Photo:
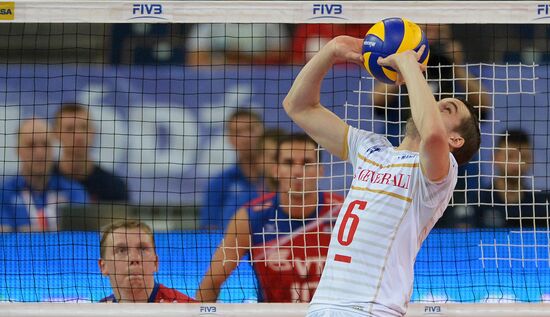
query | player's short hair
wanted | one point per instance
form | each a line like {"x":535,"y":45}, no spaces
{"x":68,"y":108}
{"x":247,"y":113}
{"x":469,"y":131}
{"x":274,"y":134}
{"x":296,"y":137}
{"x":514,"y":136}
{"x":128,"y":224}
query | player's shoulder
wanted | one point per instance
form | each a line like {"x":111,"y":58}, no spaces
{"x":170,"y":295}
{"x":262,"y":203}
{"x":108,"y":299}
{"x":13,"y":183}
{"x":332,"y":198}
{"x":368,"y":138}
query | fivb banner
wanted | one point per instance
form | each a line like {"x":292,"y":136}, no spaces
{"x":161,"y":128}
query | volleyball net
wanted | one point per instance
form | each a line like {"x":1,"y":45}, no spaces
{"x":160,"y":83}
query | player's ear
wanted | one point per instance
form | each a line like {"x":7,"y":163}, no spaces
{"x":103,"y":267}
{"x":156,"y":263}
{"x":456,"y":141}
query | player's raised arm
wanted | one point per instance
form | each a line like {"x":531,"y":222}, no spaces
{"x":233,"y":247}
{"x":434,"y":141}
{"x":303,"y":100}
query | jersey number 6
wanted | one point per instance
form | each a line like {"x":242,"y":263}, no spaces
{"x":344,"y":239}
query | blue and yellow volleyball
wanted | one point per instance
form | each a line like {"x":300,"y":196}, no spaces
{"x":389,"y":36}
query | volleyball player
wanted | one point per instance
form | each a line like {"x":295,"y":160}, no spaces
{"x":286,"y":233}
{"x":397,"y":194}
{"x":129,"y":259}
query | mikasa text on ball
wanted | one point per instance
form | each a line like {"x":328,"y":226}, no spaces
{"x":389,"y":36}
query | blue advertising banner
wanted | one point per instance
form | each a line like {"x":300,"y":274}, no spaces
{"x":161,"y":128}
{"x":457,"y":266}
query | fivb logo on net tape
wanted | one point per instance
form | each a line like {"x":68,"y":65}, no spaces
{"x":328,"y":11}
{"x":543,"y":11}
{"x":7,"y":10}
{"x":148,"y":11}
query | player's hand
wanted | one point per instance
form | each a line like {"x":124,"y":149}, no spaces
{"x":396,"y":60}
{"x":346,"y":49}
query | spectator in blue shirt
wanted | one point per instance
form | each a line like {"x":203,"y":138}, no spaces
{"x":76,"y":133}
{"x":241,"y":182}
{"x":29,"y":201}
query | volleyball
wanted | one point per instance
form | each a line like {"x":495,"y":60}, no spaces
{"x":389,"y":36}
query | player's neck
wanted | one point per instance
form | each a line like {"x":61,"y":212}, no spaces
{"x":509,"y":189}
{"x":250,"y":170}
{"x":409,"y":143}
{"x":508,"y":184}
{"x":37,"y":182}
{"x":76,"y":168}
{"x":134,"y":295}
{"x":299,"y":205}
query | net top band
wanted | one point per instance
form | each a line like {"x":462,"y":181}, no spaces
{"x":484,"y":12}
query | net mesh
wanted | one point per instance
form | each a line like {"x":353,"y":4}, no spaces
{"x":159,"y":97}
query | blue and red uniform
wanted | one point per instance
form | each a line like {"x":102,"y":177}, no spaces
{"x":160,"y":294}
{"x":288,"y":255}
{"x":22,"y":207}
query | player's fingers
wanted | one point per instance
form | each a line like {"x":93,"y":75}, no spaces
{"x":399,"y":80}
{"x":355,"y":58}
{"x":420,"y":52}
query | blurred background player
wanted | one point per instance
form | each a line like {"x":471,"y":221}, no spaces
{"x":241,"y":182}
{"x":30,"y":201}
{"x":397,"y":194}
{"x":76,"y":133}
{"x":268,"y":146}
{"x":510,"y":199}
{"x":129,"y":260}
{"x":286,"y":233}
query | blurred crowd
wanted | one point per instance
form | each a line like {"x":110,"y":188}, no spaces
{"x":244,"y":43}
{"x":272,"y":189}
{"x":47,"y":179}
{"x":272,"y":43}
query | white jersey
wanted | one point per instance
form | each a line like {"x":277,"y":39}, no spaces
{"x":388,"y":212}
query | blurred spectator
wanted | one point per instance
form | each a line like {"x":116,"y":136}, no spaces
{"x":510,"y":200}
{"x":241,"y":182}
{"x":76,"y":134}
{"x":129,"y":259}
{"x":286,"y":233}
{"x":309,"y":38}
{"x":148,"y":44}
{"x":268,"y":145}
{"x":237,"y":43}
{"x":29,"y":201}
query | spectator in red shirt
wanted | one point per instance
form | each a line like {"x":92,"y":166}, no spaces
{"x":129,"y":259}
{"x":309,"y":38}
